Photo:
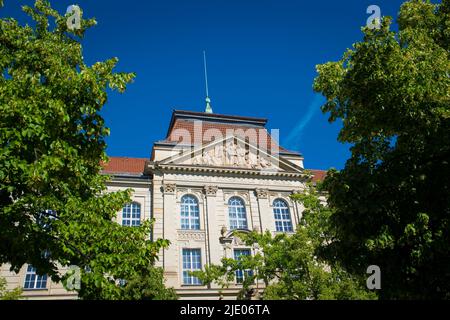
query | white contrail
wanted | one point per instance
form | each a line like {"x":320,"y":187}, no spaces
{"x":296,"y":134}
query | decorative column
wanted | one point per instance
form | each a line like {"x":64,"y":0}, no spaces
{"x":170,"y":233}
{"x":265,"y":216}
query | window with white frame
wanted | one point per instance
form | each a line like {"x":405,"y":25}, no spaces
{"x":192,"y":261}
{"x":33,"y":280}
{"x":45,"y":219}
{"x":237,"y":213}
{"x":242,"y":274}
{"x":190,"y":213}
{"x":283,"y":222}
{"x":131,"y":215}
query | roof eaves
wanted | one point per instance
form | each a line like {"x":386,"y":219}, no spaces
{"x":124,"y":174}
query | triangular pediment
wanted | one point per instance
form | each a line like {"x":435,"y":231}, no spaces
{"x":232,"y":152}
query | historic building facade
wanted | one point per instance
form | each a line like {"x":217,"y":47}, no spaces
{"x":211,"y":175}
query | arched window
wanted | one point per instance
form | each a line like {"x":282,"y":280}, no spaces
{"x":237,"y":214}
{"x":283,"y":221}
{"x":131,"y":215}
{"x":190,"y":214}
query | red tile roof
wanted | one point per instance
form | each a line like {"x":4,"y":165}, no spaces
{"x":205,"y":132}
{"x":318,"y":175}
{"x":183,"y":129}
{"x":124,"y":165}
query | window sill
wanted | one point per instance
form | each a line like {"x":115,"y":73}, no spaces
{"x":241,"y":284}
{"x":193,"y":286}
{"x":34,"y":290}
{"x":286,"y":232}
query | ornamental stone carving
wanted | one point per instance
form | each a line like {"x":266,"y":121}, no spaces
{"x":241,"y":194}
{"x":191,"y":235}
{"x":211,"y":190}
{"x":237,"y":241}
{"x":169,"y":188}
{"x":262,"y":193}
{"x":231,"y":154}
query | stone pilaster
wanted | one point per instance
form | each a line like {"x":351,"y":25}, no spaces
{"x":213,"y":245}
{"x":299,"y":208}
{"x":264,"y":210}
{"x":158,"y":214}
{"x":213,"y":229}
{"x":171,"y":222}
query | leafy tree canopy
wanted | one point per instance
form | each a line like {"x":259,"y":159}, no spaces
{"x":149,"y":285}
{"x":8,"y":294}
{"x":391,"y":202}
{"x":291,"y":266}
{"x":54,"y":208}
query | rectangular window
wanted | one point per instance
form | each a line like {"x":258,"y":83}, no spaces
{"x":131,"y":215}
{"x":34,"y":281}
{"x":242,"y":274}
{"x":192,"y":261}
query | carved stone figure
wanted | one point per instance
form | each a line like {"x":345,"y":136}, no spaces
{"x":240,"y":153}
{"x":231,"y":153}
{"x":208,"y":158}
{"x":253,"y":160}
{"x":218,"y":155}
{"x":197,"y":159}
{"x":263,"y":162}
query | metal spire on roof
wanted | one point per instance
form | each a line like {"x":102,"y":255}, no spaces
{"x":208,"y":100}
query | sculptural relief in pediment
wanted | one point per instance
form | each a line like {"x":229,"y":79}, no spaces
{"x":231,"y":154}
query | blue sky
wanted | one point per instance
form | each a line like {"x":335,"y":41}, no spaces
{"x":261,"y":62}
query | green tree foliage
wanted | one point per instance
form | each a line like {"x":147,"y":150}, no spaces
{"x":292,"y":266}
{"x":392,"y":199}
{"x":149,"y":285}
{"x":8,"y":294}
{"x":54,"y":208}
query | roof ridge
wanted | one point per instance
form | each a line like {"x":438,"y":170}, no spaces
{"x":220,"y":115}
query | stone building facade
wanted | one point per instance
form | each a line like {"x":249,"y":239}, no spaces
{"x":212,"y":174}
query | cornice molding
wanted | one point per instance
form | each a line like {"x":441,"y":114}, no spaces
{"x":239,"y":171}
